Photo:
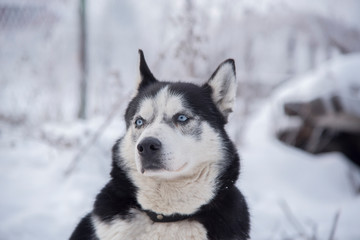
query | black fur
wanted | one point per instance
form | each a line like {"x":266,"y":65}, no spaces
{"x":146,"y":76}
{"x":225,"y":217}
{"x":84,"y":230}
{"x":119,"y":195}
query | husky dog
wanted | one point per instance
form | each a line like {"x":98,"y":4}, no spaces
{"x":174,"y":171}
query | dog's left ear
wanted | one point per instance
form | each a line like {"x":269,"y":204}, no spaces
{"x":145,"y":76}
{"x":223,"y":85}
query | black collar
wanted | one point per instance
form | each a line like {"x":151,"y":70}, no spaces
{"x":156,"y":217}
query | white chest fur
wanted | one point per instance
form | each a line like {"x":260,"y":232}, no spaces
{"x":140,"y":227}
{"x":183,"y":196}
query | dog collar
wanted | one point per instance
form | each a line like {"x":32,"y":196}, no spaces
{"x":156,"y":217}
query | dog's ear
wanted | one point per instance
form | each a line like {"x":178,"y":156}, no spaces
{"x":223,"y":85}
{"x":145,"y":76}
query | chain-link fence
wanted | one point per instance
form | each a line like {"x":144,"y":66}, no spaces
{"x":38,"y":59}
{"x":40,"y":64}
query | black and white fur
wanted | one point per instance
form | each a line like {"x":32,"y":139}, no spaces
{"x":176,"y":163}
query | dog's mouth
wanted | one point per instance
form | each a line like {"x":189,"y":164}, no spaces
{"x":157,"y":169}
{"x":150,"y":166}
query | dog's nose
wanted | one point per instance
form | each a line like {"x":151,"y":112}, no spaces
{"x":149,"y":146}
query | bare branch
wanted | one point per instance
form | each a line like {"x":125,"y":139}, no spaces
{"x":93,"y":139}
{"x":292,"y":219}
{"x":335,"y":222}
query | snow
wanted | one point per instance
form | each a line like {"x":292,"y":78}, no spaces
{"x":313,"y":187}
{"x":338,"y":77}
{"x":39,"y":202}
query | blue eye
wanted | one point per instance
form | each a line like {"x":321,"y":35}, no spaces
{"x":139,"y":122}
{"x":182,"y":118}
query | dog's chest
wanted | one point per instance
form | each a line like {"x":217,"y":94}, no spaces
{"x":140,"y":227}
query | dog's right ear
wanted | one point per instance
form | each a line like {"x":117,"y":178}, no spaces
{"x":145,"y":76}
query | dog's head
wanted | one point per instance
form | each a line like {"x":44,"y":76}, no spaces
{"x":175,"y":128}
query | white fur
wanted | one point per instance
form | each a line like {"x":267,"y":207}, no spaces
{"x":192,"y":164}
{"x":224,"y":98}
{"x":140,"y":227}
{"x":147,"y":108}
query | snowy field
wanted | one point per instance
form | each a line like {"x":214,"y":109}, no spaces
{"x":291,"y":194}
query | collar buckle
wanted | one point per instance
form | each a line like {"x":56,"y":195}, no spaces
{"x":156,"y":217}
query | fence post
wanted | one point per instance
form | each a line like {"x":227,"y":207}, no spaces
{"x":83,"y":61}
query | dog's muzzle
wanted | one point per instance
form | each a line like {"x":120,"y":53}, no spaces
{"x":149,"y":150}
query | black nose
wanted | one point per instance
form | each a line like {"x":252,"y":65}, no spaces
{"x":149,"y":146}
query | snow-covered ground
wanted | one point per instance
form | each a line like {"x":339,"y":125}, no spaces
{"x":280,"y":181}
{"x":291,"y":194}
{"x":294,"y":194}
{"x":38,"y":201}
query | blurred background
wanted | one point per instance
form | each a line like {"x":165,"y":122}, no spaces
{"x":68,"y":69}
